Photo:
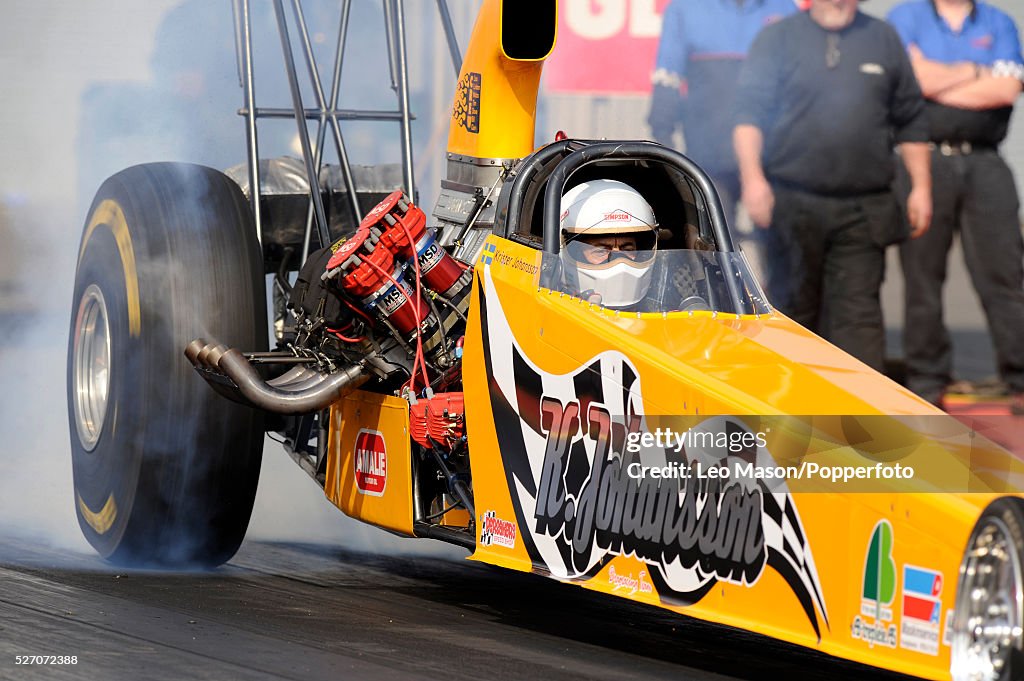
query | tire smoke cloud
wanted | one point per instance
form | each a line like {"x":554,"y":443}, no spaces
{"x":138,"y":103}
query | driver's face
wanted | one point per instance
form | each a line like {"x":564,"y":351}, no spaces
{"x":600,"y":249}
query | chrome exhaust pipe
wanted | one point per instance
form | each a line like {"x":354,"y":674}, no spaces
{"x":193,"y":349}
{"x":300,"y":390}
{"x":308,"y":378}
{"x":313,"y":396}
{"x":290,"y":378}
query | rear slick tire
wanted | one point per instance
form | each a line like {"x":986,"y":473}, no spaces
{"x":165,"y":470}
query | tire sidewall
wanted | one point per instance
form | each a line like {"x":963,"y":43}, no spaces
{"x":105,"y":472}
{"x":181,"y":462}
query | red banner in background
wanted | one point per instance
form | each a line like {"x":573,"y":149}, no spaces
{"x":605,"y":46}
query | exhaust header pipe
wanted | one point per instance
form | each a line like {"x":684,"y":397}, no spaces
{"x":302,"y":390}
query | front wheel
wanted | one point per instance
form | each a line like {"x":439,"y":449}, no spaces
{"x":165,"y":470}
{"x":988,"y":617}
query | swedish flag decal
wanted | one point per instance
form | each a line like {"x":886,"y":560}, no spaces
{"x":488,"y":254}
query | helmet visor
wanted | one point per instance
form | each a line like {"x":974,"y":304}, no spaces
{"x":602,"y":248}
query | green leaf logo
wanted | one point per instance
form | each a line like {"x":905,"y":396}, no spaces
{"x":879,"y":567}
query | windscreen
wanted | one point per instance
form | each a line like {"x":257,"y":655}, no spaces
{"x":657,"y":281}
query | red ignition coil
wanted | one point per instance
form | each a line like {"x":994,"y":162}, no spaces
{"x":362,"y":267}
{"x":391,"y":219}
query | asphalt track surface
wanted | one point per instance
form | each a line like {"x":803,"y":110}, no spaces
{"x":302,"y":611}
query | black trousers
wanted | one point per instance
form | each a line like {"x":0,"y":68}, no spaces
{"x":975,"y":195}
{"x":827,"y":258}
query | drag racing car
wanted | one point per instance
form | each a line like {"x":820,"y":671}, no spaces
{"x":448,"y":376}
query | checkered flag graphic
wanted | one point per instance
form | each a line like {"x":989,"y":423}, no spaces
{"x":788,"y":550}
{"x":486,"y":536}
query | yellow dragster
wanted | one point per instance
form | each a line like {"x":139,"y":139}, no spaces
{"x":699,"y":452}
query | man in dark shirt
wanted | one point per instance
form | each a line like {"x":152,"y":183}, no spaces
{"x":821,"y":98}
{"x":702,"y":47}
{"x":967,"y":58}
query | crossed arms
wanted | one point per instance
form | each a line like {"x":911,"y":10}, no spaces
{"x":966,"y":85}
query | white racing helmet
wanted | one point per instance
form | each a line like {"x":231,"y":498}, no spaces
{"x":609,"y":238}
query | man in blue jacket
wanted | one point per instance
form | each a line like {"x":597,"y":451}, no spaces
{"x":967,"y":57}
{"x":703,"y":45}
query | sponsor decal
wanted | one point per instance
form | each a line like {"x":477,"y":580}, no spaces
{"x":874,"y":624}
{"x":617,"y":216}
{"x":497,"y":532}
{"x":430,"y":255}
{"x":564,"y":449}
{"x":370,"y":460}
{"x":378,"y":210}
{"x":467,"y":102}
{"x":922,"y":608}
{"x":338,"y":244}
{"x":628,"y":582}
{"x":947,"y":629}
{"x":492,"y":256}
{"x":983,"y":42}
{"x":872,"y":69}
{"x":393,"y":298}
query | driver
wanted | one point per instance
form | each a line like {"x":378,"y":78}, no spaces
{"x":609,"y":240}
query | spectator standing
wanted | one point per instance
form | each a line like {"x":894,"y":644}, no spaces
{"x":702,"y":47}
{"x":821,"y":98}
{"x":967,"y":58}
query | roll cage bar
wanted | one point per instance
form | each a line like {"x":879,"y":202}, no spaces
{"x":305,"y":436}
{"x":326,"y":112}
{"x":553,"y":166}
{"x":629,"y":151}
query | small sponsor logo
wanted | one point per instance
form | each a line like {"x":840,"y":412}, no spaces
{"x":497,"y":532}
{"x":342,"y":249}
{"x":947,"y":630}
{"x":338,"y":244}
{"x":983,"y":42}
{"x":628,"y":582}
{"x":922,"y":608}
{"x":617,"y":216}
{"x":872,"y":69}
{"x":874,"y":624}
{"x":467,"y":102}
{"x":430,"y":256}
{"x":378,"y":210}
{"x":394,"y":298}
{"x":873,"y":633}
{"x":371,"y":463}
